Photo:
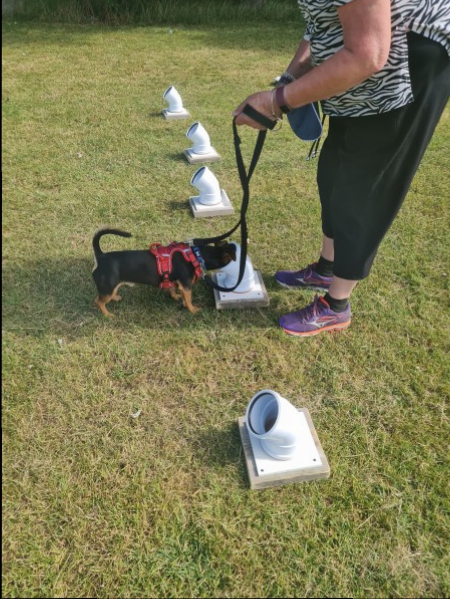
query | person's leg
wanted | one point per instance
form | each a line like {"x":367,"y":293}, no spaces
{"x":327,"y":248}
{"x":378,"y":157}
{"x":318,"y":275}
{"x":341,"y":288}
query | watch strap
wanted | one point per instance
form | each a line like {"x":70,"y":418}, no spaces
{"x":279,"y":99}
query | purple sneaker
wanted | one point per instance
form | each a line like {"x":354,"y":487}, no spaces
{"x":315,"y":318}
{"x":308,"y":278}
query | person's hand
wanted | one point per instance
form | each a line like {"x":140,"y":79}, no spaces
{"x":261,"y":102}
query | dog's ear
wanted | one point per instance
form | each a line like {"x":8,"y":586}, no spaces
{"x":232,"y":251}
{"x":229,"y":255}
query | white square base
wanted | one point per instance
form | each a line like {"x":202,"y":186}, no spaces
{"x":222,"y":208}
{"x":257,"y":297}
{"x":194,"y":158}
{"x":310,"y":463}
{"x":174,"y":116}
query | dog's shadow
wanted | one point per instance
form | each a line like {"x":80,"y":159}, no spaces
{"x":54,"y":295}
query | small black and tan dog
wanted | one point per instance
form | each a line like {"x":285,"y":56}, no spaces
{"x":113,"y":269}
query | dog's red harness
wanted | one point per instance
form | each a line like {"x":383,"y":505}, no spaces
{"x":164,"y":256}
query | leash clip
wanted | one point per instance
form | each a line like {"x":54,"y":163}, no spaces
{"x":280,"y":121}
{"x":198,"y":255}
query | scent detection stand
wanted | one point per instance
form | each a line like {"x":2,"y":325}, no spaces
{"x":251,"y":291}
{"x":175,"y":110}
{"x":212,"y":201}
{"x":280,"y":443}
{"x":201,"y":151}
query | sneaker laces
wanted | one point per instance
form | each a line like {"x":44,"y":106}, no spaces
{"x":312,"y":310}
{"x":310,"y":269}
{"x":307,"y":271}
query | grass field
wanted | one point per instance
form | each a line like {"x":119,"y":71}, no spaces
{"x":96,"y":503}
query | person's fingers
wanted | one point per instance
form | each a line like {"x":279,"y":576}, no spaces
{"x":240,"y":108}
{"x":243,"y":119}
{"x":257,"y":101}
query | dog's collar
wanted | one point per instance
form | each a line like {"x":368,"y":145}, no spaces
{"x":197,"y":253}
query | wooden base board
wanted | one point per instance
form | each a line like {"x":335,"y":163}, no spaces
{"x":175,"y":116}
{"x":283,"y":478}
{"x":239,"y":301}
{"x":201,"y":210}
{"x":194,"y":158}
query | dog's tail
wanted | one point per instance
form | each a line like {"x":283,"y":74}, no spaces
{"x":96,"y":240}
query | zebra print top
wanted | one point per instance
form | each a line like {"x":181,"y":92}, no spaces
{"x":390,"y":88}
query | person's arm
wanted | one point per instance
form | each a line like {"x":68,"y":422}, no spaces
{"x":367,"y":37}
{"x":301,"y":63}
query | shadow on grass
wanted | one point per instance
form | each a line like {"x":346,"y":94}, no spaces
{"x":179,"y":157}
{"x":174,"y":205}
{"x":43,"y":297}
{"x":232,"y":35}
{"x":216,"y":448}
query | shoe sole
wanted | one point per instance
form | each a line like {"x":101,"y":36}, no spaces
{"x":306,"y":287}
{"x":332,"y":328}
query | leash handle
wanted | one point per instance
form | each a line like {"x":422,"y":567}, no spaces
{"x":260,"y":118}
{"x":245,"y":183}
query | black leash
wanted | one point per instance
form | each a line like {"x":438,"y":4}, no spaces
{"x":245,"y":183}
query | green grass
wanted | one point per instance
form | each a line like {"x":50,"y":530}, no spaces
{"x":96,"y":503}
{"x":157,"y":12}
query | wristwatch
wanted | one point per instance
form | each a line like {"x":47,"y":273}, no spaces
{"x":285,"y":78}
{"x":279,"y":98}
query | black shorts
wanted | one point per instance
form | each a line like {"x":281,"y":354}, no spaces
{"x":367,"y":163}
